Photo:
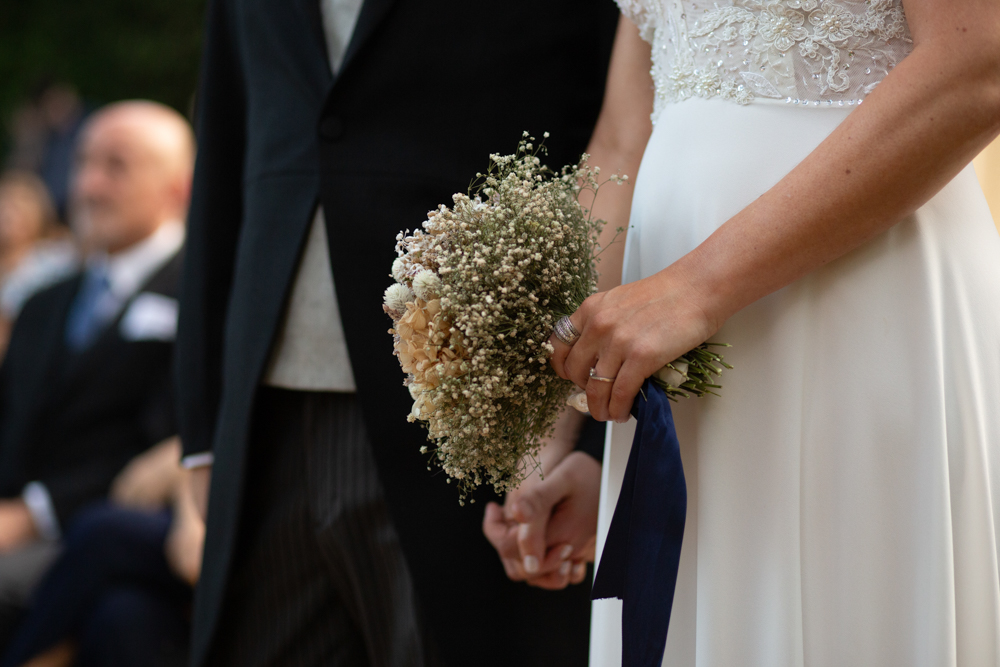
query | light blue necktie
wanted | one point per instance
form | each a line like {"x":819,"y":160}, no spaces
{"x":93,"y":309}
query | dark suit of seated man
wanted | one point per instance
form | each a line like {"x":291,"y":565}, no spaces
{"x":86,"y":384}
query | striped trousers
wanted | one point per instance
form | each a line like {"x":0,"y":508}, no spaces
{"x":318,"y":576}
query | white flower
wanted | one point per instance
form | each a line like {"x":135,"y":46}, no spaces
{"x":396,"y":297}
{"x":399,"y":270}
{"x":675,"y":376}
{"x":579,"y":402}
{"x":781,"y":27}
{"x":427,"y":285}
{"x":832,"y":22}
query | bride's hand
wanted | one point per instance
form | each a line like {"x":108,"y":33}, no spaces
{"x":628,"y":333}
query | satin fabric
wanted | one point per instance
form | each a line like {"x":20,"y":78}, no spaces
{"x":642,"y":551}
{"x":841,"y":503}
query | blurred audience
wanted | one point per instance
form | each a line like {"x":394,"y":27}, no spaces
{"x":44,"y":133}
{"x":86,"y":384}
{"x":34,"y":251}
{"x":120,"y":593}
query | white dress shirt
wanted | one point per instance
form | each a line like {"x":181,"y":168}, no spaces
{"x":127,"y":271}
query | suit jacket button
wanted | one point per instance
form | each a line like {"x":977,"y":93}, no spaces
{"x":331,"y":128}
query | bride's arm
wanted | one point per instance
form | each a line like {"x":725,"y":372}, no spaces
{"x":618,"y":141}
{"x":936,"y":110}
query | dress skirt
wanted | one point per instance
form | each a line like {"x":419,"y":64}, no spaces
{"x":844,"y":490}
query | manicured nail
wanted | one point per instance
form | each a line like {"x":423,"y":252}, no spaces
{"x":566,"y":552}
{"x":530,"y":564}
{"x":522,"y":531}
{"x":579,"y":570}
{"x":564,"y":568}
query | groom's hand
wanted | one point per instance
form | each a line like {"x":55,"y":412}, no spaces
{"x":546,"y":531}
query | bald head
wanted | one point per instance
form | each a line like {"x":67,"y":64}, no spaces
{"x":134,"y":165}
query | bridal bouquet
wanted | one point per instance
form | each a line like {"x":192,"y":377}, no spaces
{"x":477,"y":293}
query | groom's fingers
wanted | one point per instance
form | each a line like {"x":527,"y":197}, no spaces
{"x":503,"y":536}
{"x":532,"y":510}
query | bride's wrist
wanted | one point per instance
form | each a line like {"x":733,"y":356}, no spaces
{"x":708,"y":294}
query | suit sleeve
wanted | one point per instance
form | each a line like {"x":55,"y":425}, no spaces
{"x":213,"y":229}
{"x":70,"y":490}
{"x":591,"y":439}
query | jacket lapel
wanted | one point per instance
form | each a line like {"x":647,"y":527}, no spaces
{"x":311,"y":10}
{"x":372,"y":13}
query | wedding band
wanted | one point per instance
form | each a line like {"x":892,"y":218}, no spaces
{"x":599,"y":378}
{"x":566,"y":332}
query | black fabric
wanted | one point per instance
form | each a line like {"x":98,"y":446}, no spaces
{"x":72,"y":421}
{"x":427,"y":91}
{"x":591,"y":440}
{"x":319,"y":579}
{"x":112,"y":592}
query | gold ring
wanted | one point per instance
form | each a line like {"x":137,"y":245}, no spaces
{"x":593,"y":376}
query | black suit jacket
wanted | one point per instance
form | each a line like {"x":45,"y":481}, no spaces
{"x":427,"y":91}
{"x":72,"y":421}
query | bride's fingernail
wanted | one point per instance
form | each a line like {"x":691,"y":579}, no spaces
{"x":523,"y":530}
{"x":564,"y":568}
{"x":579,"y":570}
{"x":566,"y":552}
{"x":530,"y":564}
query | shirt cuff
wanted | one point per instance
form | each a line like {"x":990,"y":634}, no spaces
{"x":199,"y":460}
{"x":42,"y":511}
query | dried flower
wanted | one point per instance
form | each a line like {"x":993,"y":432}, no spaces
{"x":396,"y":298}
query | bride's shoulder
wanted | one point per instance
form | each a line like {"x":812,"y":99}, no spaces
{"x":642,"y":13}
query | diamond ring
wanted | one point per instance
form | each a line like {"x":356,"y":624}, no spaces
{"x":594,"y":376}
{"x":566,"y":332}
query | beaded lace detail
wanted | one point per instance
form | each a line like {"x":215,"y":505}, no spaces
{"x":812,"y":52}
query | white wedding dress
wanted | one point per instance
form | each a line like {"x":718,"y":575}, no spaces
{"x":844,"y":491}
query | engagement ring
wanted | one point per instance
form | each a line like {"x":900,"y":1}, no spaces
{"x":599,"y":378}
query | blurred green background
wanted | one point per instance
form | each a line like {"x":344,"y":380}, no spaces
{"x":107,"y":49}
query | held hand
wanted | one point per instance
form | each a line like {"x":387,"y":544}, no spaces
{"x":186,"y":539}
{"x":17,"y":528}
{"x":546,"y":531}
{"x":627,"y":334}
{"x":148,"y":481}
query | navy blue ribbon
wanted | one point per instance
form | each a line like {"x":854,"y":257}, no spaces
{"x":643,"y":549}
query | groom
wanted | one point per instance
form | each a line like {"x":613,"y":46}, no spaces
{"x":325,"y":127}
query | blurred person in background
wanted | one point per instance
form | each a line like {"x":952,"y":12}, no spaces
{"x":119,"y":594}
{"x":34,"y":252}
{"x":44,"y":132}
{"x":63,"y":113}
{"x":87,"y":384}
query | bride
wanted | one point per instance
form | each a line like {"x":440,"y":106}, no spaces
{"x":804,"y":195}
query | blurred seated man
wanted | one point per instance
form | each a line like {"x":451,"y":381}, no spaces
{"x":119,"y":595}
{"x":86,"y":383}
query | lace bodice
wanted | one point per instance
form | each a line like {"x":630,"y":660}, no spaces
{"x":810,"y":52}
